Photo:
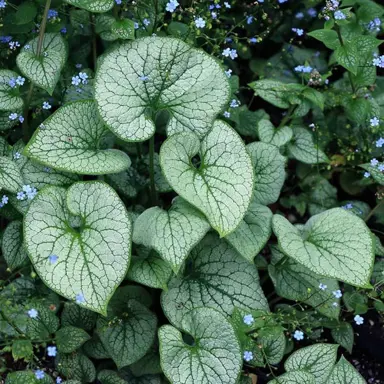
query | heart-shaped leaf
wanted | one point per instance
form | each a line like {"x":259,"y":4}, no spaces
{"x":269,"y":134}
{"x":221,"y":186}
{"x":345,"y":373}
{"x":172,"y":233}
{"x":253,"y":232}
{"x":318,"y":359}
{"x":296,"y":282}
{"x":142,"y":77}
{"x":128,"y":336}
{"x":77,"y":237}
{"x":10,"y":99}
{"x":335,"y":243}
{"x":343,"y":335}
{"x":215,"y":277}
{"x":269,"y":171}
{"x":43,"y":70}
{"x":150,"y":269}
{"x":302,"y":148}
{"x":68,"y":339}
{"x":71,"y":141}
{"x":76,"y":366}
{"x":214,"y":356}
{"x":96,"y":6}
{"x":10,"y":177}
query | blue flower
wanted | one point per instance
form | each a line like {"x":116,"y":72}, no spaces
{"x":249,"y":19}
{"x":339,"y":15}
{"x":299,"y":15}
{"x":298,"y":335}
{"x":298,"y":31}
{"x":136,"y":25}
{"x":52,"y":14}
{"x":46,"y":105}
{"x":80,"y":298}
{"x":227,"y":5}
{"x":374,"y":121}
{"x":52,"y":351}
{"x":2,"y":3}
{"x":200,"y":22}
{"x":234,"y":103}
{"x":32,"y":313}
{"x":20,"y":196}
{"x":347,"y":206}
{"x":12,"y":82}
{"x":248,"y":356}
{"x":248,"y":319}
{"x":312,"y":12}
{"x":378,"y":61}
{"x":381,"y":167}
{"x":146,"y":22}
{"x":84,"y":77}
{"x":13,"y":116}
{"x":337,"y":294}
{"x":303,"y":69}
{"x":39,"y":374}
{"x":63,"y":30}
{"x":76,"y":80}
{"x":380,"y":142}
{"x":118,"y":2}
{"x":53,"y":258}
{"x":228,"y":72}
{"x":20,"y":80}
{"x":144,"y":78}
{"x":322,"y":286}
{"x":367,"y":174}
{"x":227,"y":114}
{"x":374,"y":162}
{"x":358,"y":319}
{"x":172,"y":5}
{"x":21,"y":119}
{"x":59,"y":380}
{"x":4,"y":200}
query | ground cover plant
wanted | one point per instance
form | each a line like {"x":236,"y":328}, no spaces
{"x":192,"y":192}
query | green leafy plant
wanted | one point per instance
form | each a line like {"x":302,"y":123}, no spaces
{"x":192,"y":191}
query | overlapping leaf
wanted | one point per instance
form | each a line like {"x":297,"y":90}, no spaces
{"x":172,"y":233}
{"x":71,"y":141}
{"x":269,"y":171}
{"x":129,"y":337}
{"x":215,"y":277}
{"x":253,"y":232}
{"x":334,"y":243}
{"x":88,"y":229}
{"x":43,"y":70}
{"x":221,"y":185}
{"x":215,"y":356}
{"x":140,"y":78}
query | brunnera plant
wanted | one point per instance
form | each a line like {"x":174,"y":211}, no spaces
{"x":179,"y":207}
